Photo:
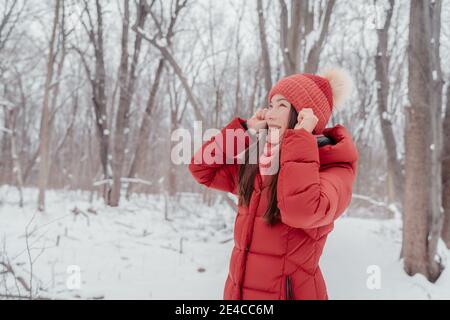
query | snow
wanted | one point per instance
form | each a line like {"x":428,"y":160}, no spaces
{"x":6,"y":103}
{"x":358,"y":244}
{"x":435,"y":75}
{"x":378,"y":85}
{"x":136,"y":180}
{"x":131,"y":252}
{"x":6,"y":130}
{"x":162,"y":42}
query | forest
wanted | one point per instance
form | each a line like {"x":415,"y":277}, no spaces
{"x":91,"y":91}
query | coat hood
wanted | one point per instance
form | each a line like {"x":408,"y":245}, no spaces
{"x":344,"y":149}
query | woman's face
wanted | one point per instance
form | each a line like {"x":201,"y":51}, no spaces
{"x":278,"y":114}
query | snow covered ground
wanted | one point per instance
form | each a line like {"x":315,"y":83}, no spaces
{"x":86,"y":250}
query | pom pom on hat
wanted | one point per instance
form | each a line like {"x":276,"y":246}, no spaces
{"x":324,"y":92}
{"x":341,"y":84}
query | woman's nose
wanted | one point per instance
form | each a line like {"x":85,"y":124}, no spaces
{"x":270,"y":114}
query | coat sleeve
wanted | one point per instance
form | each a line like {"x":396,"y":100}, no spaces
{"x":215,"y":164}
{"x":309,"y":197}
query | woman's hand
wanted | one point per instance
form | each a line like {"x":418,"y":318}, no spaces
{"x":306,"y":119}
{"x":258,"y":120}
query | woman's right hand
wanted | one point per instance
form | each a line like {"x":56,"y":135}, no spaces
{"x":258,"y":120}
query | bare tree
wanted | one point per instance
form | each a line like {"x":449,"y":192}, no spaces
{"x":127,"y":80}
{"x":446,"y":174}
{"x":267,"y":70}
{"x":11,"y":112}
{"x":423,"y":185}
{"x":44,"y":132}
{"x":168,"y":56}
{"x":97,"y":79}
{"x":240,"y":11}
{"x":382,"y":61}
{"x":177,"y":110}
{"x":10,"y":16}
{"x":144,"y":129}
{"x":296,"y":28}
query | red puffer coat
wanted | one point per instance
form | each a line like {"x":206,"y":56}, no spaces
{"x":314,"y":188}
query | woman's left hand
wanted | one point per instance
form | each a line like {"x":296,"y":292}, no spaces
{"x":306,"y":119}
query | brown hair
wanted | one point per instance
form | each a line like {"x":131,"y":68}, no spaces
{"x":247,"y":174}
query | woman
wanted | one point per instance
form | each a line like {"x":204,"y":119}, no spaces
{"x":288,"y":200}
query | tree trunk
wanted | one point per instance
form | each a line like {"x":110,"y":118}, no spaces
{"x":294,"y":34}
{"x":144,"y":129}
{"x":127,"y":83}
{"x":313,"y":56}
{"x":267,"y":70}
{"x":56,"y":88}
{"x":382,"y":61}
{"x":44,"y":131}
{"x":97,"y":80}
{"x":171,"y":179}
{"x":10,"y":126}
{"x":122,"y":112}
{"x":446,"y":174}
{"x":422,"y":199}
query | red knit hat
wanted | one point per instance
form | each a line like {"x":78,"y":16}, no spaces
{"x":319,"y":92}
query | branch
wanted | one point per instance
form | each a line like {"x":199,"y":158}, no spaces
{"x":178,"y":71}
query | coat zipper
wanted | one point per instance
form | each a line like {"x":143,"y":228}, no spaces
{"x":289,"y":295}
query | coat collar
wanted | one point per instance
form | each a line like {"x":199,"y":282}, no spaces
{"x":344,"y":149}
